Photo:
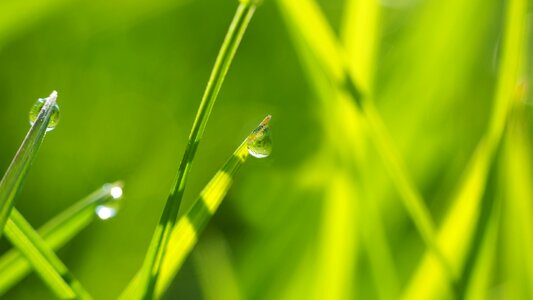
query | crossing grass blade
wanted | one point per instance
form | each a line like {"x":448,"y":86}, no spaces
{"x":43,"y":259}
{"x":57,"y":232}
{"x":156,"y":251}
{"x":13,"y":178}
{"x":188,"y":229}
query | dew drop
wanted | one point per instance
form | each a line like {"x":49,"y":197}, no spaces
{"x":36,"y":109}
{"x":259,"y":143}
{"x":105,"y":212}
{"x":109,"y":208}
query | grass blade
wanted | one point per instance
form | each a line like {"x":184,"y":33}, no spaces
{"x":460,"y":221}
{"x":46,"y":263}
{"x":13,"y":178}
{"x":56,"y":233}
{"x":186,"y":232}
{"x":517,"y":235}
{"x":306,"y":18}
{"x":360,"y":32}
{"x":156,"y":251}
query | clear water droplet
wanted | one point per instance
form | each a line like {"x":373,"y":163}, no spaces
{"x":109,"y":208}
{"x":36,"y":109}
{"x":259,"y":143}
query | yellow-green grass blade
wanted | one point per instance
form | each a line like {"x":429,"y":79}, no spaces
{"x":337,"y":249}
{"x":480,"y":282}
{"x":360,"y":37}
{"x":14,"y":177}
{"x":57,"y":232}
{"x":307,"y":19}
{"x":458,"y":226}
{"x":188,"y":229}
{"x":360,"y":34}
{"x":341,"y":119}
{"x":156,"y":251}
{"x":43,"y":259}
{"x":517,"y":239}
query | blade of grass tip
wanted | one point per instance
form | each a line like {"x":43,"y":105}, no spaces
{"x":57,"y":232}
{"x":459,"y":223}
{"x":306,"y":18}
{"x":185,"y":234}
{"x":158,"y":245}
{"x":46,"y":263}
{"x":13,"y":178}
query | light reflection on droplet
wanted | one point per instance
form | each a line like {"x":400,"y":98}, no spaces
{"x":105,"y":212}
{"x":109,"y":208}
{"x":116,"y":192}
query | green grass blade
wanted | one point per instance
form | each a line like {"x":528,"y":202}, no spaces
{"x":484,"y":269}
{"x":360,"y":32}
{"x":13,"y":178}
{"x":186,"y":232}
{"x":46,"y":263}
{"x":517,"y":234}
{"x":56,"y":233}
{"x":459,"y":224}
{"x":156,"y":251}
{"x":306,"y":18}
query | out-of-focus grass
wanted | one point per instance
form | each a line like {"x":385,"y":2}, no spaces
{"x":321,"y":214}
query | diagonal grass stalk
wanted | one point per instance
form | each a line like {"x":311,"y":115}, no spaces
{"x":56,"y":233}
{"x":13,"y":178}
{"x":185,"y":234}
{"x":46,"y":263}
{"x":156,"y":251}
{"x":306,"y":18}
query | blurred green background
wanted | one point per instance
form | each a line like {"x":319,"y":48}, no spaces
{"x":312,"y":220}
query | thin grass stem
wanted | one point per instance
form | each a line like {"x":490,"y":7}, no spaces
{"x":13,"y":178}
{"x":156,"y":251}
{"x":46,"y":263}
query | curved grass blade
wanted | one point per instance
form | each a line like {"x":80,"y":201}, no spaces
{"x":56,"y":233}
{"x":185,"y":234}
{"x":306,"y":18}
{"x":156,"y":251}
{"x":459,"y":224}
{"x":13,"y":178}
{"x":46,"y":263}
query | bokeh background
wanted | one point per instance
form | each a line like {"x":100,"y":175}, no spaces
{"x":321,"y":217}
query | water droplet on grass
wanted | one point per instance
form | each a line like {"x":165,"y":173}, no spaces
{"x":36,"y":109}
{"x":259,"y":143}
